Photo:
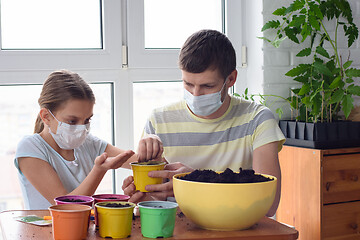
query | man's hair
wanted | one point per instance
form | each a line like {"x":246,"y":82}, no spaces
{"x":208,"y":49}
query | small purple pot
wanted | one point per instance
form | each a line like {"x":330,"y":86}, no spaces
{"x":74,"y":199}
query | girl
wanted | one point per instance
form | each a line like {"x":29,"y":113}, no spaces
{"x":61,"y":157}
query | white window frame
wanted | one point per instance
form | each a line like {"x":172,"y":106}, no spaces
{"x":139,"y":57}
{"x":108,"y":57}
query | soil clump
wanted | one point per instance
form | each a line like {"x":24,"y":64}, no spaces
{"x":116,"y":205}
{"x":228,"y":176}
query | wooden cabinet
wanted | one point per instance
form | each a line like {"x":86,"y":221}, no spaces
{"x":320,"y":192}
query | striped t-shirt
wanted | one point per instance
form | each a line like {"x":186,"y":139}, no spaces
{"x":217,"y":144}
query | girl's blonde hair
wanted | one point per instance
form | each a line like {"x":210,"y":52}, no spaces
{"x":58,"y":88}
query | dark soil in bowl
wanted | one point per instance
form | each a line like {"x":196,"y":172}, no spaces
{"x":228,"y":176}
{"x":72,"y":200}
{"x":116,"y":205}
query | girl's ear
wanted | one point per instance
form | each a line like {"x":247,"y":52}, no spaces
{"x":45,"y":116}
{"x":232,"y":78}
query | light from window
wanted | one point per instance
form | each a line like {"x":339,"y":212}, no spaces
{"x":169,"y":23}
{"x":150,"y":95}
{"x":55,"y":24}
{"x":18,"y":111}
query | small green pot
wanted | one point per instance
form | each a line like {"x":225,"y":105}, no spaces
{"x":157,"y":218}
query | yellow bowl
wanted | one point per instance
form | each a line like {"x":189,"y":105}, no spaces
{"x":224,"y":206}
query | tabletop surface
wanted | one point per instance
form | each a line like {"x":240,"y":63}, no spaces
{"x":266,"y":228}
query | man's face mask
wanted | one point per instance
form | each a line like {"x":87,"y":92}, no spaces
{"x":69,"y":136}
{"x":204,"y":105}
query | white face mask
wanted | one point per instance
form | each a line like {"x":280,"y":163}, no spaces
{"x":204,"y":105}
{"x":69,"y":136}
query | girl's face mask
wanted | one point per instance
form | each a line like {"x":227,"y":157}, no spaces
{"x":69,"y":136}
{"x":204,"y":105}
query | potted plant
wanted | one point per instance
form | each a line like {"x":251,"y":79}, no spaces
{"x":324,"y":101}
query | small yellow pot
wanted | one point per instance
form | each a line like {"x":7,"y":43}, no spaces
{"x":115,"y":222}
{"x":141,"y":178}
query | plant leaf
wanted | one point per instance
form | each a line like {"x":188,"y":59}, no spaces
{"x":304,"y":52}
{"x":301,"y":79}
{"x":355,"y":90}
{"x":304,"y":89}
{"x":280,"y":11}
{"x":352,"y":72}
{"x":296,"y":71}
{"x":335,"y":83}
{"x":320,"y":50}
{"x":347,"y":105}
{"x":337,"y":96}
{"x":321,"y":68}
{"x":264,"y":38}
{"x":271,"y":24}
{"x":347,"y":64}
{"x":314,"y":23}
{"x":276,"y":43}
{"x":290,"y":33}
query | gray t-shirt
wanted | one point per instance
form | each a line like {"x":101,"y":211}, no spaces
{"x":71,"y":173}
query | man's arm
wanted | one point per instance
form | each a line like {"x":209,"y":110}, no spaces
{"x":266,"y":161}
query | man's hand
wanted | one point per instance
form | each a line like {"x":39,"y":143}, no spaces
{"x":158,"y":191}
{"x":150,"y":147}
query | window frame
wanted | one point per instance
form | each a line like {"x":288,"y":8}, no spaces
{"x":139,"y":57}
{"x":108,"y":57}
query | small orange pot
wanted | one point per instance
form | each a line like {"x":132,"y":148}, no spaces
{"x":70,"y":221}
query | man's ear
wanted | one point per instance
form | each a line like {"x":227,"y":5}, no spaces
{"x":45,"y":116}
{"x":232,"y":78}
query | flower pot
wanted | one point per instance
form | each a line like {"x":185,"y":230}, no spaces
{"x":107,"y":198}
{"x":300,"y":130}
{"x":140,"y":172}
{"x":70,"y":221}
{"x":74,"y":199}
{"x":157,"y":218}
{"x":115,"y":221}
{"x":338,"y":134}
{"x":291,"y":129}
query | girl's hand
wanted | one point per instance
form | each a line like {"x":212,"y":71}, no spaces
{"x":150,"y":147}
{"x":103,"y":162}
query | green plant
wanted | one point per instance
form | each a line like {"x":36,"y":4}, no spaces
{"x":327,"y":80}
{"x":263,"y":99}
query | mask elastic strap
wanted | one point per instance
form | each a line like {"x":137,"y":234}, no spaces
{"x":53,"y":115}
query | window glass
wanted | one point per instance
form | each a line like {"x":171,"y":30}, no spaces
{"x":150,"y":95}
{"x":169,"y":23}
{"x":55,"y":24}
{"x":17,"y":117}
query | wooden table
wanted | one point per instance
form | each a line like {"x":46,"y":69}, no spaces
{"x":266,"y":228}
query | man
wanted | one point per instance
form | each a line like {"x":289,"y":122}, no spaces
{"x":211,"y":129}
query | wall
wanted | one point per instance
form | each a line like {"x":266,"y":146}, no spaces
{"x":278,"y":61}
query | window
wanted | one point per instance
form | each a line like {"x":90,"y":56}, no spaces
{"x":158,"y":28}
{"x":18,"y":111}
{"x":145,"y":102}
{"x":169,"y":23}
{"x":60,"y":34}
{"x":56,"y":24}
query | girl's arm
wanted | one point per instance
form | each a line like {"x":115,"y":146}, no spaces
{"x":45,"y":179}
